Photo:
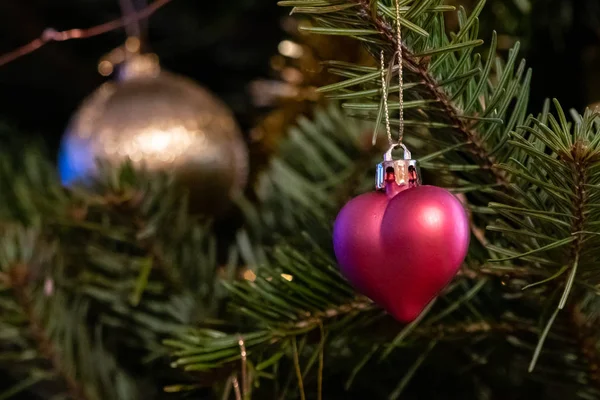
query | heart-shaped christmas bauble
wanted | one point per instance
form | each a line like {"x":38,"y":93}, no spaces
{"x":403,"y":248}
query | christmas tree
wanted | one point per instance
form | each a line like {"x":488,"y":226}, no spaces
{"x":123,"y":287}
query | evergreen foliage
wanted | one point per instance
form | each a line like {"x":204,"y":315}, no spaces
{"x":119,"y":273}
{"x":93,"y":279}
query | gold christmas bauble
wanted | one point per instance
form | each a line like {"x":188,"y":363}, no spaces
{"x":161,"y":122}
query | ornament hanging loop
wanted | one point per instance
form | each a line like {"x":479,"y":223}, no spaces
{"x":388,"y":155}
{"x":385,"y":85}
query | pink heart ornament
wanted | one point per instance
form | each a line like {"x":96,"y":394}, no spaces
{"x":402,"y":250}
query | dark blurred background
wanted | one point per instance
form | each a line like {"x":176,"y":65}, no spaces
{"x":225,"y":45}
{"x":221,"y":44}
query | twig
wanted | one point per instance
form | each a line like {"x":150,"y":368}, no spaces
{"x":236,"y":387}
{"x":243,"y":356}
{"x":478,"y":272}
{"x":449,"y":332}
{"x":588,"y":340}
{"x":321,"y":364}
{"x":582,"y":328}
{"x":316,"y":319}
{"x":580,"y":167}
{"x":51,"y":35}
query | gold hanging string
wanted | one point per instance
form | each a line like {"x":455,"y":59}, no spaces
{"x":385,"y":84}
{"x":400,"y":77}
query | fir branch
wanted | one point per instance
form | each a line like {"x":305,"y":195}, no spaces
{"x":325,"y":161}
{"x":580,"y":165}
{"x":419,"y":66}
{"x":321,"y":300}
{"x":575,"y":161}
{"x":18,"y":280}
{"x":130,"y":261}
{"x":455,"y":98}
{"x":454,"y":331}
{"x":558,"y":182}
{"x":319,"y":318}
{"x":48,"y":337}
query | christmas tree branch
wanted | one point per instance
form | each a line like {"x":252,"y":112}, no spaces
{"x":319,"y":318}
{"x":285,"y":298}
{"x":324,"y":161}
{"x":18,"y":280}
{"x":127,"y":253}
{"x":553,"y":224}
{"x":298,"y":289}
{"x":45,"y":340}
{"x":321,"y":300}
{"x":419,"y":66}
{"x":458,"y":109}
{"x":460,"y":330}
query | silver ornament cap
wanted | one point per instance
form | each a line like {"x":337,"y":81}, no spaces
{"x":405,"y":171}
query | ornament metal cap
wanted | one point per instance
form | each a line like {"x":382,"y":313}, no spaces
{"x":139,"y":66}
{"x":405,"y":172}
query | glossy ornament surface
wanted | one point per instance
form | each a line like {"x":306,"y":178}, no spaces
{"x":425,"y":232}
{"x":163,"y":122}
{"x":358,"y":246}
{"x":401,"y":247}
